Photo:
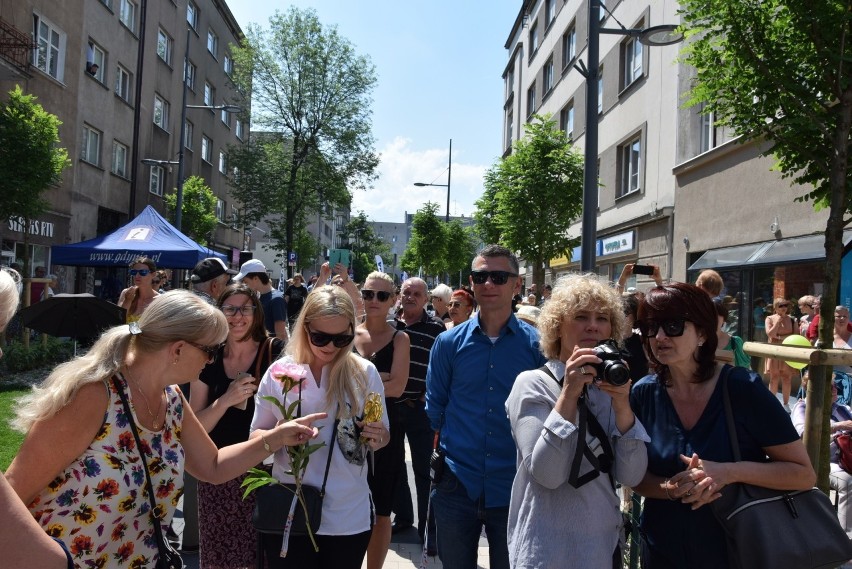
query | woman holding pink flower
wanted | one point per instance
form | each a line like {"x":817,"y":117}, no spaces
{"x":322,"y":374}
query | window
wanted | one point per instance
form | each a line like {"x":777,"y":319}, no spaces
{"x":49,"y":52}
{"x":127,"y":14}
{"x":510,"y":83}
{"x":164,"y":46}
{"x":91,"y":147}
{"x":223,"y":162}
{"x":632,"y":58}
{"x":228,"y":66}
{"x":209,"y":94}
{"x":708,"y":129}
{"x":630,"y":157}
{"x":549,"y":12}
{"x":531,"y":100}
{"x":220,"y":209}
{"x":239,"y":130}
{"x":190,"y":71}
{"x":187,"y":135}
{"x":548,"y":76}
{"x":161,"y":112}
{"x":157,"y":180}
{"x":192,"y":14}
{"x":226,"y":117}
{"x":119,"y":159}
{"x":96,"y":62}
{"x":107,"y":3}
{"x":600,"y":89}
{"x":533,"y":39}
{"x":566,"y":120}
{"x":212,"y":43}
{"x":603,"y":12}
{"x":510,"y":124}
{"x":569,"y":46}
{"x":122,"y":83}
{"x":206,"y":149}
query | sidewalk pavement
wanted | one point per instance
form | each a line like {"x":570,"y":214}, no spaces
{"x":405,"y":551}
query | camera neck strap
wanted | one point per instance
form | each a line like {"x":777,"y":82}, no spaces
{"x":588,"y":425}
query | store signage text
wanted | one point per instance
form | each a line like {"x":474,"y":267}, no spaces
{"x":43,"y":228}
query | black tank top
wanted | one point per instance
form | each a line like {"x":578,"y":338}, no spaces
{"x":382,"y":358}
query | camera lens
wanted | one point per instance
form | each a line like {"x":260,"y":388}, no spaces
{"x":616,"y":373}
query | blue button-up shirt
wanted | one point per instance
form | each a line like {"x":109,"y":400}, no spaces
{"x":467,"y":384}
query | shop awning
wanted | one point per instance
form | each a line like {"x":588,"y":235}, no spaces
{"x":795,"y":249}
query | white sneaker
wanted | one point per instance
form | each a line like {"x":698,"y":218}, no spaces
{"x":787,"y":408}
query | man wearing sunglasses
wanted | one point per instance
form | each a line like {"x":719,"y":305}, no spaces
{"x":471,"y":372}
{"x":253,"y":274}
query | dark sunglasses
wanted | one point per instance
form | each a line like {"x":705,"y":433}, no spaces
{"x":497,"y":277}
{"x":140,"y":272}
{"x":784,"y":305}
{"x":321,"y":339}
{"x":671,"y":328}
{"x":245,"y":310}
{"x":211,"y":351}
{"x":368,"y":294}
{"x":155,"y":281}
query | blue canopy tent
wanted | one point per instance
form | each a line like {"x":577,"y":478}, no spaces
{"x":148,"y":235}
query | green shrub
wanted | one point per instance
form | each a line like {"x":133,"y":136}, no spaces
{"x":18,"y":358}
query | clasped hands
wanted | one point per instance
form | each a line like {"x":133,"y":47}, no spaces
{"x":698,"y":485}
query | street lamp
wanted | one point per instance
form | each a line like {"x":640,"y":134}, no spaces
{"x":447,"y":185}
{"x":653,"y":36}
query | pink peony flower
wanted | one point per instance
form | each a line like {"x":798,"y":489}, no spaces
{"x":291,"y":375}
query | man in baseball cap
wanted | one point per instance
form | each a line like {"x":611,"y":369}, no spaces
{"x":210,"y":277}
{"x":253,"y":274}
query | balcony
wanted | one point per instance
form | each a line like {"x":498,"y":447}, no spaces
{"x":15,"y":50}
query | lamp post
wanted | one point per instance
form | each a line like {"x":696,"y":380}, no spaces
{"x":447,"y":185}
{"x":653,"y":36}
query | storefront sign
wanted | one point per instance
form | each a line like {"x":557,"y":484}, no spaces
{"x":616,"y":244}
{"x":43,"y":228}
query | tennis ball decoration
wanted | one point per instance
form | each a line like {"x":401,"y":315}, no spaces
{"x":796,"y":340}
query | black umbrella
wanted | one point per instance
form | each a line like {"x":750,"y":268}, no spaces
{"x":72,"y":315}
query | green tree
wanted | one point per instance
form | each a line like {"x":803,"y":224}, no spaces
{"x":199,"y":209}
{"x":309,"y":86}
{"x":365,"y":246}
{"x":778,"y":70}
{"x":461,"y":248}
{"x":534,"y":195}
{"x":30,"y":159}
{"x":427,"y":248}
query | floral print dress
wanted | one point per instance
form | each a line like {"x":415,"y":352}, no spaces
{"x":98,"y":505}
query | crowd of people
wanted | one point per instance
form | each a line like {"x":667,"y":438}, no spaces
{"x":525,"y":418}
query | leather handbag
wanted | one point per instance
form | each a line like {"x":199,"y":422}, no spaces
{"x":777,"y":529}
{"x":169,"y":557}
{"x":844,"y":448}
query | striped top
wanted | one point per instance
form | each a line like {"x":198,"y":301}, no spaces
{"x":422,"y":335}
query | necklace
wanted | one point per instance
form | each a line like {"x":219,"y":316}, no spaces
{"x":147,"y":405}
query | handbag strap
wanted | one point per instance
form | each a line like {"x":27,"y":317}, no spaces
{"x":149,"y":486}
{"x":268,"y":345}
{"x":331,"y":450}
{"x":729,"y":414}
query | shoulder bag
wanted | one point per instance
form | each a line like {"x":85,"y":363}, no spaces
{"x":169,"y":557}
{"x":777,"y":529}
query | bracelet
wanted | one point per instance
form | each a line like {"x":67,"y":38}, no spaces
{"x":666,"y":487}
{"x":266,"y":446}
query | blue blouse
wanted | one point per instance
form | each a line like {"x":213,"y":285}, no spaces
{"x":675,"y":535}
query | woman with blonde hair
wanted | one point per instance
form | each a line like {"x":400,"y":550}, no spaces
{"x":136,"y":298}
{"x":80,"y":469}
{"x":558,"y":413}
{"x":337,"y":382}
{"x":779,"y":326}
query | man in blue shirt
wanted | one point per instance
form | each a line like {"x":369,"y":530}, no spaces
{"x":471,"y":372}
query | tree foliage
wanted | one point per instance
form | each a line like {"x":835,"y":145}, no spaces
{"x":533,"y":196}
{"x":461,"y":248}
{"x":310,"y":89}
{"x":778,"y":70}
{"x":199,"y":209}
{"x":365,"y":246}
{"x":427,"y":248}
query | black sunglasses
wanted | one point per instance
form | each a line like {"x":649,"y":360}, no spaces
{"x":497,"y":277}
{"x":140,"y":272}
{"x":671,"y":328}
{"x":368,"y":294}
{"x":211,"y":351}
{"x":321,"y":339}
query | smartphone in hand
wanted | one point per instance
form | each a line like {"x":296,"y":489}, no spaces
{"x":643,"y":270}
{"x":241,"y":375}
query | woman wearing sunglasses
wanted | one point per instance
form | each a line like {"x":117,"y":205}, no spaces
{"x":338,"y":383}
{"x":388,"y":349}
{"x":461,"y":306}
{"x":224,"y":402}
{"x":779,"y":326}
{"x":136,"y":298}
{"x":80,"y":469}
{"x":544,"y":411}
{"x":689,"y":457}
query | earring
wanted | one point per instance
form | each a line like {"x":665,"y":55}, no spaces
{"x":175,"y":362}
{"x":699,"y":345}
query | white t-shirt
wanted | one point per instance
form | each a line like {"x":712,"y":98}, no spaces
{"x":347,"y":506}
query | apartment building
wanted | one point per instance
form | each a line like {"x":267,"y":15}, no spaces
{"x":113,"y":71}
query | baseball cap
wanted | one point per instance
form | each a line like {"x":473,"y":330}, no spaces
{"x":250,"y":266}
{"x":208,"y":269}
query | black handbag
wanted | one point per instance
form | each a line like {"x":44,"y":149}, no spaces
{"x":169,"y":557}
{"x":777,"y":529}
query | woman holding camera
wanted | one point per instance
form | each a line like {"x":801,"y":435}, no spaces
{"x":689,"y":457}
{"x":561,"y":472}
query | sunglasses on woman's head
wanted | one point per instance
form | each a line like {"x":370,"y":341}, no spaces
{"x":497,"y":277}
{"x":368,"y":294}
{"x":671,"y":328}
{"x":321,"y":339}
{"x":140,"y":272}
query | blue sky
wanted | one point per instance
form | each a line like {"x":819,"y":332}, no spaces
{"x":439,"y":65}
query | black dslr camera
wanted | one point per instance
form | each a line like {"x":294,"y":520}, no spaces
{"x":611,"y":369}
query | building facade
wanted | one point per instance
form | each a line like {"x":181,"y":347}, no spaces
{"x":112,"y":71}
